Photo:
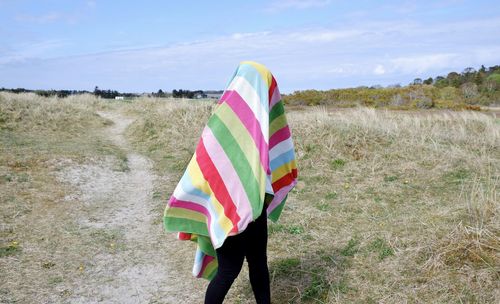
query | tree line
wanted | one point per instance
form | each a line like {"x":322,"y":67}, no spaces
{"x":112,"y":94}
{"x":470,"y":88}
{"x":455,"y":90}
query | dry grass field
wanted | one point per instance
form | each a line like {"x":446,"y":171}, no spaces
{"x":391,"y":207}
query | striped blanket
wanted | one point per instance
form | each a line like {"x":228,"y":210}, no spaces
{"x":244,"y":161}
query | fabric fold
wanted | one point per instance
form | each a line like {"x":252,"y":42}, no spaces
{"x":244,"y":162}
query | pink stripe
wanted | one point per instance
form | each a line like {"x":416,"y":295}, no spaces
{"x":276,"y":97}
{"x":247,"y":117}
{"x":279,"y":196}
{"x":229,"y":177}
{"x":279,"y":136}
{"x":224,"y":97}
{"x":174,"y":202}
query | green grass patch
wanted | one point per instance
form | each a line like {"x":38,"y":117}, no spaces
{"x":381,"y":247}
{"x":323,"y":206}
{"x":351,"y":248}
{"x":331,"y":195}
{"x":285,"y":267}
{"x":318,"y":288}
{"x":290,"y":229}
{"x":337,"y":163}
{"x":390,"y":178}
{"x":457,"y":176}
{"x":9,"y":249}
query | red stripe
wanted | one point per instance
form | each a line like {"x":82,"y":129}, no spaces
{"x":271,"y":89}
{"x":279,"y":136}
{"x":207,"y":259}
{"x":215,"y":181}
{"x":285,"y":180}
{"x":184,"y":236}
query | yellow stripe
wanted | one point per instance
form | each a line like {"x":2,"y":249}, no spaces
{"x":263,"y":71}
{"x":244,"y":140}
{"x":187,"y":214}
{"x":283,"y":170}
{"x":200,"y":183}
{"x":197,"y":177}
{"x":278,"y":123}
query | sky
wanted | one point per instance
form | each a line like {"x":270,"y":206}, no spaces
{"x":144,"y":46}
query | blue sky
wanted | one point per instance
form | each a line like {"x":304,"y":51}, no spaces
{"x":143,"y":46}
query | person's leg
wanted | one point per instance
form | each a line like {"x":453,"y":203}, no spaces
{"x":230,"y":258}
{"x":256,"y":254}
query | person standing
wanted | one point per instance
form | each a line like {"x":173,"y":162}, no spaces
{"x":240,"y":174}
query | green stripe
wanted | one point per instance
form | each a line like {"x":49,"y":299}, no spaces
{"x":210,"y":270}
{"x":275,"y":215}
{"x":244,"y":139}
{"x":278,"y":123}
{"x":175,"y":224}
{"x":185,"y":213}
{"x":206,"y":245}
{"x":276,"y":111}
{"x":238,"y":160}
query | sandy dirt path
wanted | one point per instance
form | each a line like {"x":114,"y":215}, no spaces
{"x":142,"y":263}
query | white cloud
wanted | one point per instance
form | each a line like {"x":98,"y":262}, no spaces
{"x":25,"y":52}
{"x":325,"y":35}
{"x":379,"y":70}
{"x":419,"y":64}
{"x":279,"y":5}
{"x":370,"y":53}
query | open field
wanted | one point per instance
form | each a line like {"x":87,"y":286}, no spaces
{"x":390,"y":208}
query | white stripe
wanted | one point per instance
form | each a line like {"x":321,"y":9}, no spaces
{"x":215,"y":230}
{"x":269,"y":186}
{"x":280,"y":148}
{"x":250,"y":96}
{"x":229,"y":177}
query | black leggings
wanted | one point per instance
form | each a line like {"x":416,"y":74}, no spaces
{"x":252,"y":244}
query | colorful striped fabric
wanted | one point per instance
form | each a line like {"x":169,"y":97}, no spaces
{"x":245,"y":156}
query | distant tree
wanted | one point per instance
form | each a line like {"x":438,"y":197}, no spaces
{"x":468,"y":74}
{"x":428,"y":80}
{"x":417,"y":81}
{"x":469,"y":70}
{"x":454,"y":79}
{"x":160,"y":93}
{"x":440,"y":82}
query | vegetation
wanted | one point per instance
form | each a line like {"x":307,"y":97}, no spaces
{"x":390,"y":206}
{"x":41,"y":246}
{"x":467,"y":90}
{"x":112,"y":94}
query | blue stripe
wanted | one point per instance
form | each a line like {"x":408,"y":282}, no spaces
{"x":250,"y":73}
{"x":187,"y":186}
{"x":282,"y":159}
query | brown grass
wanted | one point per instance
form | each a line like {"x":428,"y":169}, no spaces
{"x":42,"y":248}
{"x":390,"y":207}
